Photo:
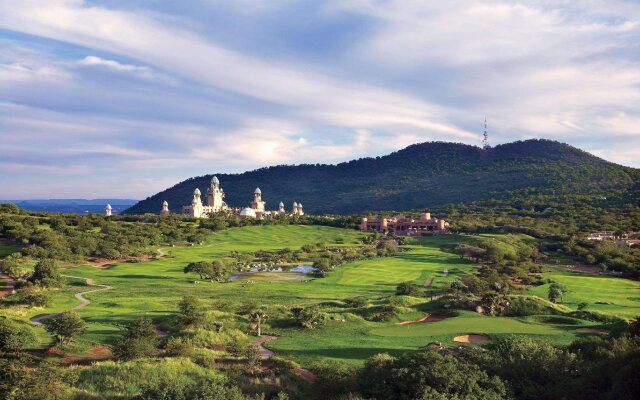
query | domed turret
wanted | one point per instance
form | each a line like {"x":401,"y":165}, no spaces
{"x":107,"y":210}
{"x":281,"y":204}
{"x":165,"y":204}
{"x":215,"y":181}
{"x":247,"y":213}
{"x":196,"y":192}
{"x":257,"y":191}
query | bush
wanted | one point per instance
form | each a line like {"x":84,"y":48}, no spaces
{"x":15,"y":337}
{"x":33,"y":296}
{"x":179,"y":347}
{"x":356,"y":302}
{"x":408,"y":289}
{"x":139,"y":340}
{"x":522,"y":306}
{"x":334,"y":378}
{"x":204,"y":358}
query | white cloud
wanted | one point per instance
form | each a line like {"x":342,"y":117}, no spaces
{"x":94,"y":61}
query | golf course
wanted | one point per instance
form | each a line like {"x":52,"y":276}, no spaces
{"x":154,"y":288}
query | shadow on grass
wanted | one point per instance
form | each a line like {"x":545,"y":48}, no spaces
{"x":352,"y":353}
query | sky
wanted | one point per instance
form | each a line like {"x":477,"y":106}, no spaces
{"x":120,"y":98}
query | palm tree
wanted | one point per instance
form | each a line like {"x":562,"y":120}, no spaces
{"x":258,"y":316}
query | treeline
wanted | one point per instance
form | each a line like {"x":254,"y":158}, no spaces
{"x":70,"y":237}
{"x":517,"y":367}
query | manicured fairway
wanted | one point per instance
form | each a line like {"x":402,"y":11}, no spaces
{"x":624,"y":294}
{"x":154,"y":289}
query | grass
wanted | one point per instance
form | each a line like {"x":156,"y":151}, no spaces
{"x":7,"y":248}
{"x":624,"y":294}
{"x":154,"y":289}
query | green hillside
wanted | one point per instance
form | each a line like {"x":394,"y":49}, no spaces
{"x":419,"y":176}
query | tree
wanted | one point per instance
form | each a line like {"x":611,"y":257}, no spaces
{"x":202,"y":268}
{"x":65,"y":326}
{"x":191,"y":310}
{"x":46,"y":273}
{"x":258,"y":316}
{"x":13,"y":265}
{"x":556,"y":292}
{"x":427,"y":375}
{"x":408,"y":289}
{"x":220,"y":270}
{"x":309,"y":317}
{"x":139,"y":340}
{"x":15,"y":337}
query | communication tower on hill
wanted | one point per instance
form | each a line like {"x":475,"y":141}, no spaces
{"x":485,"y":137}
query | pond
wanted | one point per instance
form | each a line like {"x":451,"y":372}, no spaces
{"x":298,"y":273}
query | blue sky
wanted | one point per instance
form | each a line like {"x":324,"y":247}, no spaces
{"x":120,"y":98}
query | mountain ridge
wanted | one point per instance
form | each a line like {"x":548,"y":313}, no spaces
{"x":421,"y":175}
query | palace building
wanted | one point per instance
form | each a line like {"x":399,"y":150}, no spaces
{"x":402,"y":226}
{"x":215,"y":204}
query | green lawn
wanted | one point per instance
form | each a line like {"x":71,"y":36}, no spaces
{"x":154,"y":289}
{"x":624,"y":294}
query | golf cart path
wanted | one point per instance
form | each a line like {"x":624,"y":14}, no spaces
{"x":266,"y":354}
{"x":80,"y":296}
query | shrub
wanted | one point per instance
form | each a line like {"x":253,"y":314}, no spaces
{"x":33,"y":296}
{"x":356,"y":302}
{"x":179,"y":347}
{"x":408,"y":289}
{"x":204,"y":358}
{"x":334,"y":378}
{"x":522,"y":306}
{"x":15,"y":337}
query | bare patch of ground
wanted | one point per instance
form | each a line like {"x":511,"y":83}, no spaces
{"x":472,"y":339}
{"x":426,"y":319}
{"x":96,"y":353}
{"x":592,"y":330}
{"x":8,"y":286}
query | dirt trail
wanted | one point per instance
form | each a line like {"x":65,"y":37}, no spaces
{"x":8,"y":286}
{"x":80,"y":296}
{"x":159,"y":330}
{"x":266,"y":354}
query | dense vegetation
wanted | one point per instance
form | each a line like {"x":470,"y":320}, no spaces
{"x":426,"y":175}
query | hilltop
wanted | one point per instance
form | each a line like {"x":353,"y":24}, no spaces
{"x":424,"y":175}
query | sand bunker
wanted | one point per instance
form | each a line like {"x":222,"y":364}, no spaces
{"x":472,"y":339}
{"x":592,"y":330}
{"x":425,"y":319}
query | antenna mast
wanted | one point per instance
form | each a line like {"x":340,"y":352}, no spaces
{"x":485,"y":137}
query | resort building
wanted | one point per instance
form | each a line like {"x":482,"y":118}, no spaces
{"x":402,"y":226}
{"x":216,"y":204}
{"x":165,"y":208}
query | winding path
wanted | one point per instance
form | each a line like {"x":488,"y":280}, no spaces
{"x":266,"y":354}
{"x":80,"y":296}
{"x":8,"y":286}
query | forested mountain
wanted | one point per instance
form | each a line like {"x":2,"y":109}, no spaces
{"x":423,"y":175}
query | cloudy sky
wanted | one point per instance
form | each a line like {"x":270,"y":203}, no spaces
{"x":120,"y":98}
